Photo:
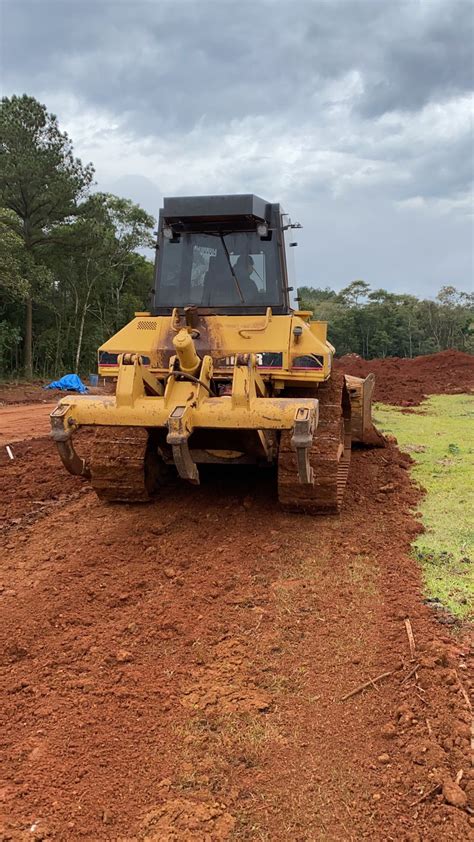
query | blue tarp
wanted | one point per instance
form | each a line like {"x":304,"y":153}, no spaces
{"x":69,"y":382}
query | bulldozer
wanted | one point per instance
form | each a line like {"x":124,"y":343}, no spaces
{"x":223,"y":368}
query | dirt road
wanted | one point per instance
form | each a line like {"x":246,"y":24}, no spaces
{"x":24,"y":421}
{"x":177,"y":671}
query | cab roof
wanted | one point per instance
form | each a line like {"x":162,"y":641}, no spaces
{"x":216,"y":208}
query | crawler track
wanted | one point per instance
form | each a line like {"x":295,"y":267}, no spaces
{"x":330,"y":455}
{"x":124,"y":465}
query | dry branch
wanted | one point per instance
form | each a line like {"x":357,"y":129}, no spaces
{"x":468,"y":703}
{"x":435,"y":789}
{"x":412,"y":672}
{"x":369,"y":683}
{"x":427,"y":795}
{"x":411,"y":639}
{"x":466,"y":697}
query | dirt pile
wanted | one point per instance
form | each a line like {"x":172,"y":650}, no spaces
{"x":178,"y":671}
{"x":405,"y":382}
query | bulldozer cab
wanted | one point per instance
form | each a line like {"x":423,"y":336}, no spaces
{"x":222,"y":254}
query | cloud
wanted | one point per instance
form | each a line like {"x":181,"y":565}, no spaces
{"x":172,"y":64}
{"x":339,"y":109}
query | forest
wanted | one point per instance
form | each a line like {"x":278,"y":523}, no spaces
{"x":383,"y":324}
{"x":72,"y":271}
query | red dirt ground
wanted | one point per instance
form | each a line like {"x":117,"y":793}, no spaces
{"x":24,"y":421}
{"x":177,"y":671}
{"x":13,"y":393}
{"x":16,"y":393}
{"x":406,"y":382}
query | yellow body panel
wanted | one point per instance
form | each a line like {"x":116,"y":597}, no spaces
{"x":225,"y":337}
{"x":248,"y":407}
{"x":213,"y":413}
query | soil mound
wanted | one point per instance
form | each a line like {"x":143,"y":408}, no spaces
{"x":405,"y":382}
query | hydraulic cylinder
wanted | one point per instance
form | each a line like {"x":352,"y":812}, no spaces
{"x":189,"y":362}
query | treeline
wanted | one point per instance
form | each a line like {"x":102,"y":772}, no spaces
{"x":70,"y":273}
{"x":382,"y":324}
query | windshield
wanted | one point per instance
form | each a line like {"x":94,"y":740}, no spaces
{"x":218,"y":270}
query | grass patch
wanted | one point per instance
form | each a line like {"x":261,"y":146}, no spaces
{"x":439,"y":437}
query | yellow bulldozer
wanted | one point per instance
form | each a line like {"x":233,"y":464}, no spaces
{"x":224,"y":368}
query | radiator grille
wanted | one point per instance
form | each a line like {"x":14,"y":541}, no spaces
{"x":146,"y":325}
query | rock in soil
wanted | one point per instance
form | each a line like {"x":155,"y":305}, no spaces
{"x":453,"y":794}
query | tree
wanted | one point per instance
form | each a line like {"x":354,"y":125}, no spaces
{"x":311,"y":298}
{"x":41,"y":184}
{"x":353,"y":294}
{"x":109,"y":230}
{"x":12,"y":251}
{"x":380,"y":323}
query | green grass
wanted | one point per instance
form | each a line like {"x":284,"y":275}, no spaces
{"x":439,"y":435}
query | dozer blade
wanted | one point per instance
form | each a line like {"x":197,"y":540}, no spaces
{"x":360,"y":393}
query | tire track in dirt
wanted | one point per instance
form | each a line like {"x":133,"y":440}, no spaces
{"x":175,"y":671}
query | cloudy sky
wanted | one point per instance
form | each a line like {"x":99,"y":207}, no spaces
{"x":355,"y":114}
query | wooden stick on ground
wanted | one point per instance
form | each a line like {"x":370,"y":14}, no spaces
{"x":369,"y":683}
{"x":417,"y":692}
{"x":468,"y":703}
{"x":427,"y":795}
{"x":411,"y":639}
{"x":466,"y":697}
{"x":412,"y":672}
{"x":435,"y":789}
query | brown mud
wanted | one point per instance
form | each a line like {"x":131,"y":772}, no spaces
{"x":405,"y":382}
{"x":177,"y":671}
